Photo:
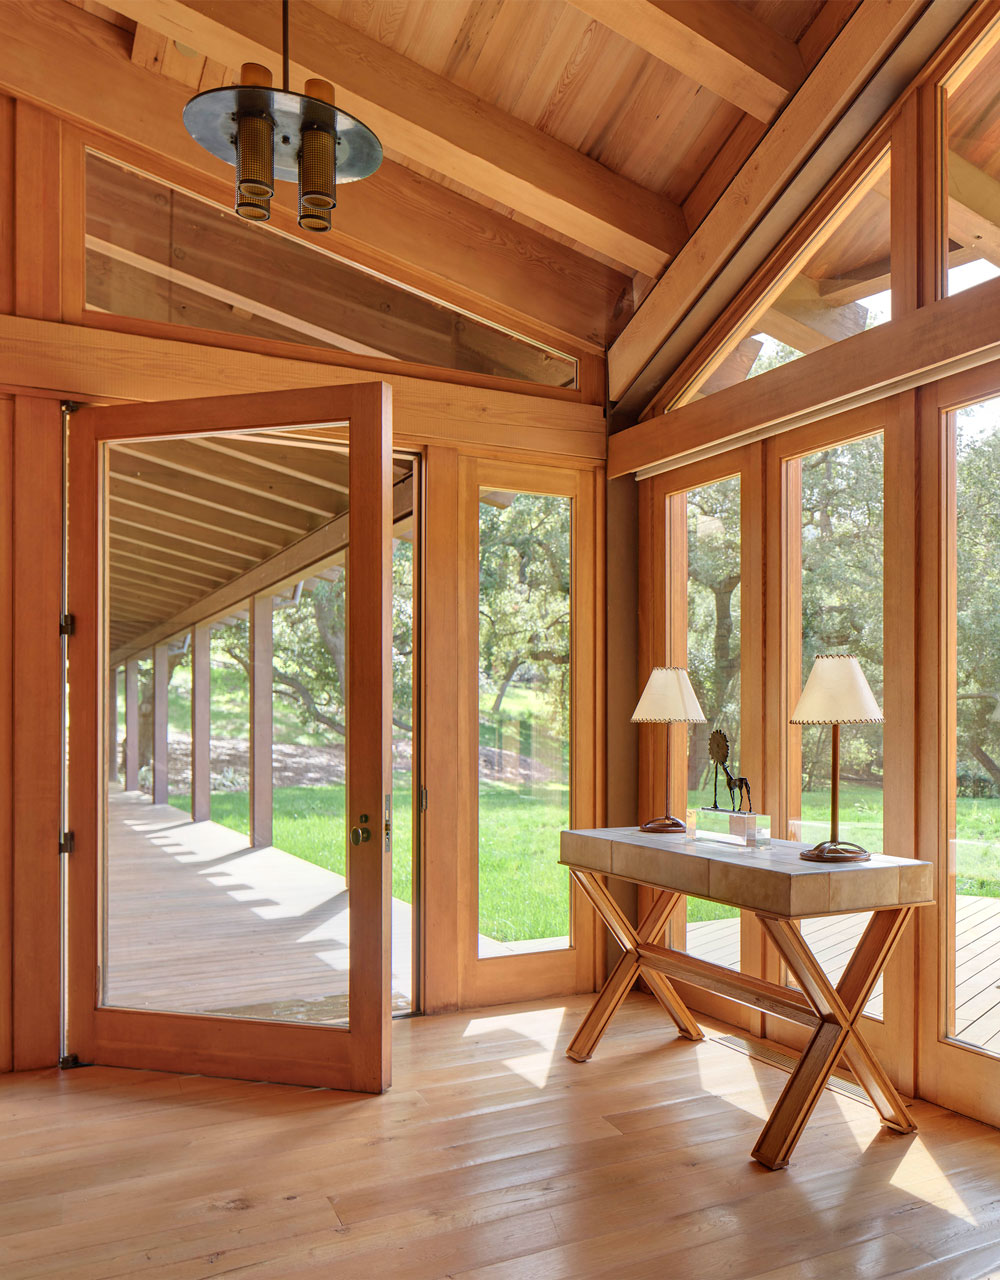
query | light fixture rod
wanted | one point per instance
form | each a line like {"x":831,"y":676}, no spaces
{"x":284,"y":45}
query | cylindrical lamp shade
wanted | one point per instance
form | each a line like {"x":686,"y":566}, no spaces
{"x":317,"y":170}
{"x":668,"y":698}
{"x":837,"y":693}
{"x":252,"y":209}
{"x":255,"y":157}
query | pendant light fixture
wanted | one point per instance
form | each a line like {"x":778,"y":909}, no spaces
{"x":270,"y":134}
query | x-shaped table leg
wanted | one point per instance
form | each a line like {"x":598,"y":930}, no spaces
{"x":625,"y":972}
{"x":839,"y":1009}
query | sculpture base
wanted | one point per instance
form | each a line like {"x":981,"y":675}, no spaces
{"x":664,"y":826}
{"x":750,"y":830}
{"x":836,"y":851}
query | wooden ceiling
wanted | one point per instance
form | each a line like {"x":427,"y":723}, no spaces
{"x":551,"y":165}
{"x":194,"y":523}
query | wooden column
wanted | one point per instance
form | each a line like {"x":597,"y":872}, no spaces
{"x":6,"y":696}
{"x":132,"y":725}
{"x":161,"y":682}
{"x":201,"y":722}
{"x":261,"y":721}
{"x":38,"y":748}
{"x":113,"y":724}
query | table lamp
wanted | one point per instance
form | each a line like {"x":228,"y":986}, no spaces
{"x":836,"y":693}
{"x":667,"y":699}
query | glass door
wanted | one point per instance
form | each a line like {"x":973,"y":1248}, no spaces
{"x":230,"y":574}
{"x":960,"y":743}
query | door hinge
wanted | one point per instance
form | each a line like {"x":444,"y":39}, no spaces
{"x":67,"y":624}
{"x":423,"y":799}
{"x":67,"y":842}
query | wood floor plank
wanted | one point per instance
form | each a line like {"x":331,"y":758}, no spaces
{"x":493,"y":1156}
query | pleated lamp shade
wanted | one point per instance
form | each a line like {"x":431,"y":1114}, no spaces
{"x":668,"y":699}
{"x":837,"y":693}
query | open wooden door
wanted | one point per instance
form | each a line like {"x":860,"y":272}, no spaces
{"x":139,"y":946}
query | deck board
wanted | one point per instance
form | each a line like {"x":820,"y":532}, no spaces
{"x":832,"y":938}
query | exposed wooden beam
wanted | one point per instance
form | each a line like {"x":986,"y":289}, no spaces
{"x":426,"y":119}
{"x":406,"y":226}
{"x":151,"y":532}
{"x":720,"y":46}
{"x":290,"y":562}
{"x":275,"y":457}
{"x":165,"y":505}
{"x":267,"y":490}
{"x":91,"y":364}
{"x":202,"y":500}
{"x":973,"y":208}
{"x":806,"y":321}
{"x":940,"y":338}
{"x":866,"y":68}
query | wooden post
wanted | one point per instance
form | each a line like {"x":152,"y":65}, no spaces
{"x":161,"y":679}
{"x":132,"y":725}
{"x":113,"y":724}
{"x":261,"y":727}
{"x":201,"y":722}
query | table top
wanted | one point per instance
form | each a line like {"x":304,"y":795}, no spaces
{"x":771,"y":878}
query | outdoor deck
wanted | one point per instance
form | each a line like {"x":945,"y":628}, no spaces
{"x":199,"y":922}
{"x":977,"y":974}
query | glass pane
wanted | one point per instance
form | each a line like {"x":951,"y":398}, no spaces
{"x":252,"y":908}
{"x":842,"y":288}
{"x":841,"y":516}
{"x":159,"y":254}
{"x":525,"y":577}
{"x":973,"y":908}
{"x":972,"y":173}
{"x":713,"y":659}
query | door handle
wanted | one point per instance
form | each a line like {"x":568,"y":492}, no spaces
{"x":360,"y":834}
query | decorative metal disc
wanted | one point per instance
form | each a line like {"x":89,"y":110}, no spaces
{"x":210,"y":118}
{"x":718,"y":747}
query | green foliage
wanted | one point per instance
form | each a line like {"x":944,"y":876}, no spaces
{"x":524,"y":600}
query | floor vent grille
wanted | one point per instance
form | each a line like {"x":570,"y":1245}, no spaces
{"x":786,"y":1061}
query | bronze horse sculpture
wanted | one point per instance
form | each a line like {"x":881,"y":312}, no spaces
{"x":718,"y":751}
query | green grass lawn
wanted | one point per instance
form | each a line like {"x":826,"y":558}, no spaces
{"x":523,"y":890}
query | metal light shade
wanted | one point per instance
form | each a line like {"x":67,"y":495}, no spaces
{"x":255,"y":156}
{"x":252,"y":209}
{"x":314,"y":219}
{"x":668,"y":698}
{"x":317,"y":170}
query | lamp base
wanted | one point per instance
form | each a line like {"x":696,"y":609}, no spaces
{"x":836,"y":851}
{"x":665,"y":826}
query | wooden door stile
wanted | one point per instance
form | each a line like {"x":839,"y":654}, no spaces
{"x":357,"y":1057}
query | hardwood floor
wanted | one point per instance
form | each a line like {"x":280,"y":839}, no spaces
{"x":492,"y":1156}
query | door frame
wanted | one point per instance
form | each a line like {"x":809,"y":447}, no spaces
{"x":357,"y":1057}
{"x":954,"y":1074}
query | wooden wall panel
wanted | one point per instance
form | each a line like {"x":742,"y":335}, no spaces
{"x":443,"y":824}
{"x":6,"y":728}
{"x":37,"y":719}
{"x":37,"y":211}
{"x":7,"y":258}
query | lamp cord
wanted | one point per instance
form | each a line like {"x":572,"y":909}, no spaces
{"x":284,"y":45}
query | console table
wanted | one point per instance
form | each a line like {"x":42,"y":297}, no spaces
{"x":779,"y":888}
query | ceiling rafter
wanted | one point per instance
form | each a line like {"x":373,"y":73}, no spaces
{"x":155,"y":528}
{"x":137,"y":494}
{"x":722,"y":47}
{"x":408,"y":227}
{"x":158,"y":475}
{"x":244,"y":475}
{"x":427,"y":119}
{"x":861,"y":75}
